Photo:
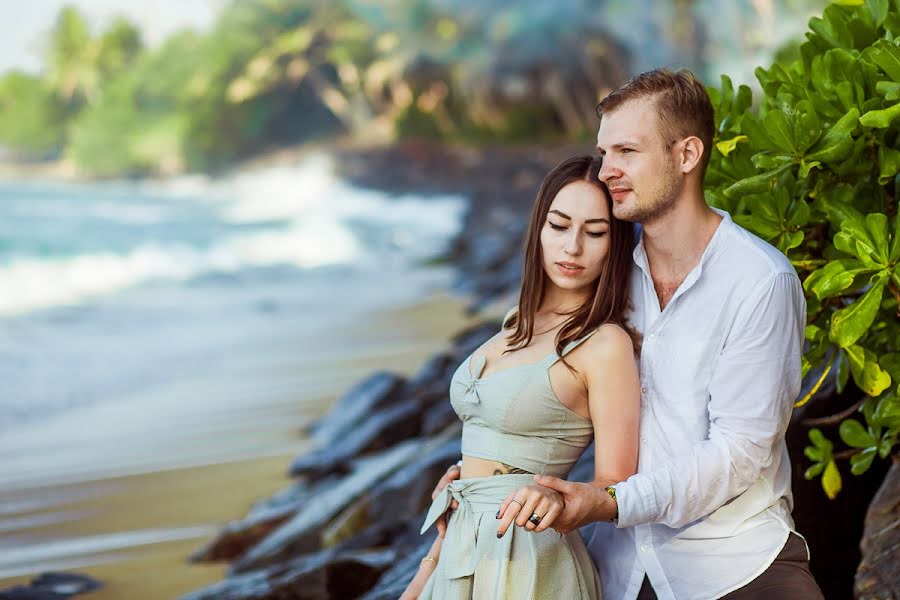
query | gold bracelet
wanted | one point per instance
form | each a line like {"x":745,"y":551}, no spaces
{"x":428,"y":559}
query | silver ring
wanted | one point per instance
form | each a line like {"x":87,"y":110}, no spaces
{"x":517,"y":502}
{"x":534,"y":518}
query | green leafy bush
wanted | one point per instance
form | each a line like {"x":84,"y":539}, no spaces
{"x":31,"y":119}
{"x":815,"y":171}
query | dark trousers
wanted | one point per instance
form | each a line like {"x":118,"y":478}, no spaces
{"x":788,"y":578}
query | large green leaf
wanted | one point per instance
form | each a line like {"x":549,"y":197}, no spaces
{"x":837,"y":143}
{"x":889,"y":89}
{"x":887,"y":56}
{"x":860,"y":463}
{"x":756,"y":184}
{"x":867,"y":374}
{"x":807,"y":126}
{"x":832,"y":27}
{"x":834,"y":278}
{"x":781,"y":131}
{"x":887,"y":413}
{"x":855,"y":435}
{"x":880,"y":118}
{"x":865,"y":239}
{"x":850,"y":323}
{"x":752,"y":127}
{"x":764,"y":228}
{"x":877,"y":226}
{"x":889,"y":161}
{"x":879,"y":10}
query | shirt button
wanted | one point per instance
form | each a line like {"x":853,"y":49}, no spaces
{"x":643,"y":547}
{"x":643,"y":440}
{"x":644,"y":390}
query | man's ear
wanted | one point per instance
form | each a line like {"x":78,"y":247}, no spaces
{"x":690,"y":151}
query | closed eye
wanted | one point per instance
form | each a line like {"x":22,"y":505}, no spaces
{"x":555,"y":227}
{"x":596,"y":234}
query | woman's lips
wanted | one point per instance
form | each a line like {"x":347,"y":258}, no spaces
{"x":570,"y":269}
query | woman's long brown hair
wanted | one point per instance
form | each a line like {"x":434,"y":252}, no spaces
{"x":612,"y":288}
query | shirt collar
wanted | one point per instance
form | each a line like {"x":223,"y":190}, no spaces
{"x":640,"y":253}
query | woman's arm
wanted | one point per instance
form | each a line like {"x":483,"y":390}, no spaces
{"x":426,"y":567}
{"x":614,"y":400}
{"x":610,"y":374}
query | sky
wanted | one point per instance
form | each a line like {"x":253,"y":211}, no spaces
{"x":21,"y":37}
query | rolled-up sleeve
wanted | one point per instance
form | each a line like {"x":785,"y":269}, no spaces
{"x":755,"y":380}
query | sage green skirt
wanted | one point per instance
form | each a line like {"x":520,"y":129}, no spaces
{"x":475,"y":565}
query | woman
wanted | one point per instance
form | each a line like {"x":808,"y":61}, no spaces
{"x":561,"y":372}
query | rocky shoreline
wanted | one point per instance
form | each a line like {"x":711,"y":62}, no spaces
{"x":348,"y":527}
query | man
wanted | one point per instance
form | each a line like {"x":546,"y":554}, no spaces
{"x":722,"y":315}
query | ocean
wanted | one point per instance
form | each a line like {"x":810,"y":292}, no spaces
{"x":111,"y":287}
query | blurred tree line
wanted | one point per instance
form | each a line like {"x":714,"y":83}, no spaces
{"x":277,"y":72}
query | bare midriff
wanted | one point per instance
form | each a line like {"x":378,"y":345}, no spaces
{"x":480,"y":467}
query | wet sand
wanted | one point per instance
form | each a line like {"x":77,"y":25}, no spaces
{"x":128,"y":501}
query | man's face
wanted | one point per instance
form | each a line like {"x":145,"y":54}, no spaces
{"x":638,"y":164}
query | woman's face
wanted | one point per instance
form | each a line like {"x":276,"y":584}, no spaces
{"x":575,"y":236}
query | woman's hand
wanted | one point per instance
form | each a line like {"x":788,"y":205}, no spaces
{"x":451,"y":474}
{"x":530,"y":500}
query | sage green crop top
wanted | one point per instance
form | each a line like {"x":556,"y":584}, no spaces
{"x":514,"y":417}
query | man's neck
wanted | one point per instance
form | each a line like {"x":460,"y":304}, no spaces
{"x":675,"y":243}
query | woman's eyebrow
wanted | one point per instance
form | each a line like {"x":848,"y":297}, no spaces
{"x":565,"y":216}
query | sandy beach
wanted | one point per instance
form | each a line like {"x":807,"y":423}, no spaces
{"x":125,"y":491}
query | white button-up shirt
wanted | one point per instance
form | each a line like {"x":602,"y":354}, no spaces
{"x":710,"y":506}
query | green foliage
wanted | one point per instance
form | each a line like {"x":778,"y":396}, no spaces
{"x":30,"y":117}
{"x":815,"y":172}
{"x":119,"y":48}
{"x":274,"y":72}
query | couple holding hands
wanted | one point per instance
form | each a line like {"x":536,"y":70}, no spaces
{"x":674,"y":346}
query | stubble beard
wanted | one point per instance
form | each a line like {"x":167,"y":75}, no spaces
{"x":663,"y":200}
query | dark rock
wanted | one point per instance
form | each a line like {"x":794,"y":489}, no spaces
{"x":52,"y":586}
{"x":380,"y":429}
{"x":394,"y":581}
{"x":264,"y":517}
{"x":302,"y":532}
{"x":401,"y":496}
{"x":439,"y":417}
{"x":468,"y":340}
{"x":878,"y":575}
{"x":408,"y":490}
{"x":322,"y":575}
{"x":432,"y":379}
{"x":372,"y":393}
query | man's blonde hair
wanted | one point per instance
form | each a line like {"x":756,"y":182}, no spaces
{"x":681,"y":102}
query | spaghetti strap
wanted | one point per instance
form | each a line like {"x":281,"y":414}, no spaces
{"x":553,"y":357}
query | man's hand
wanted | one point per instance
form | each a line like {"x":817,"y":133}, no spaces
{"x":530,"y":500}
{"x":584,"y":503}
{"x":451,"y":475}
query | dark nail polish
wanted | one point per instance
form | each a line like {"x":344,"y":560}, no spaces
{"x":499,"y":535}
{"x":497,"y":516}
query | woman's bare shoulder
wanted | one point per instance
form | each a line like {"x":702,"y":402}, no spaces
{"x":609,"y":343}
